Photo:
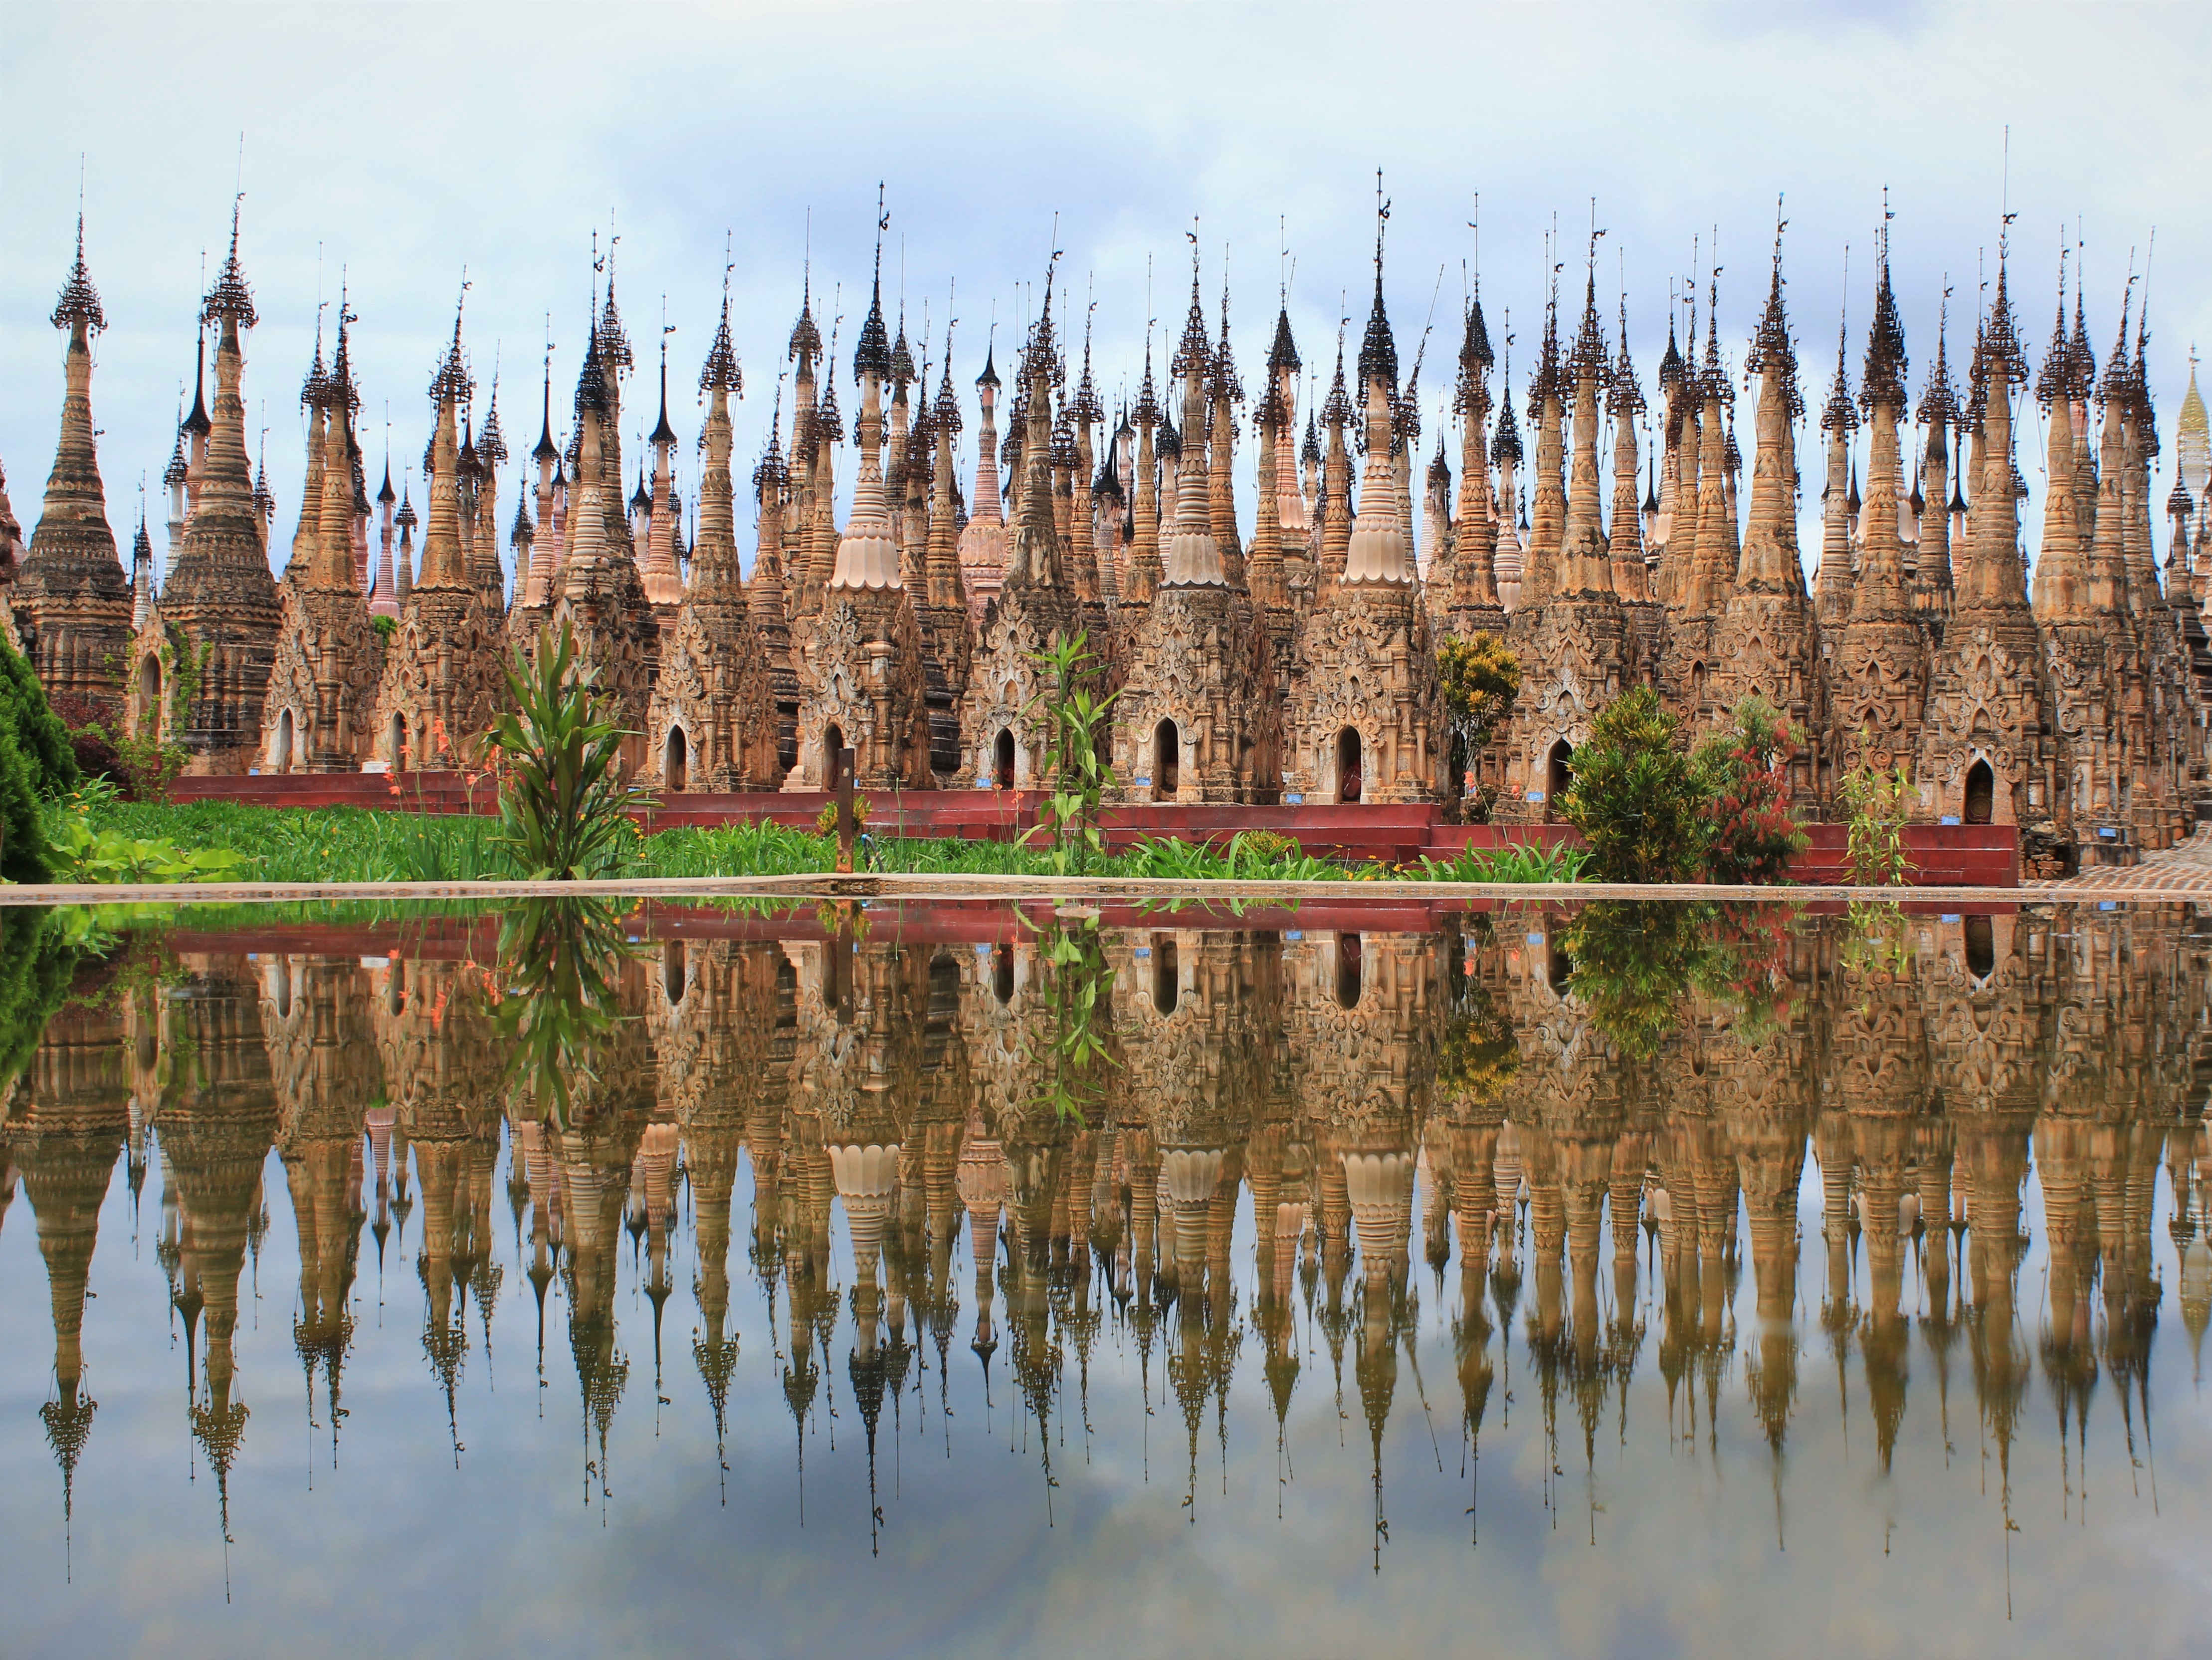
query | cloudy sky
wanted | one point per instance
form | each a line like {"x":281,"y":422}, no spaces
{"x":401,"y":145}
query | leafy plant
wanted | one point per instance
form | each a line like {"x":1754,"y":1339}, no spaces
{"x":564,"y":808}
{"x":1481,"y":680}
{"x":1873,"y":804}
{"x":1249,"y":855}
{"x":1744,"y":770}
{"x":84,"y":853}
{"x":1517,"y":861}
{"x":825,"y":822}
{"x":1075,"y":723}
{"x":1635,"y":796}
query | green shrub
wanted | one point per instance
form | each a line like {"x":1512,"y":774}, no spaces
{"x":1743,"y":769}
{"x":1635,"y":797}
{"x":37,"y":764}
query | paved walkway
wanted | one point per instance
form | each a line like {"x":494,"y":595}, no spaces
{"x":2178,"y":873}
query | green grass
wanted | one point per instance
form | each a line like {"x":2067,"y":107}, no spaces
{"x":354,"y":844}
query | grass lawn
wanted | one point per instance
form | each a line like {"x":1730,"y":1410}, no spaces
{"x":352,"y":844}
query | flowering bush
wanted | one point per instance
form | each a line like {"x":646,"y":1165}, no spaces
{"x":1744,"y":768}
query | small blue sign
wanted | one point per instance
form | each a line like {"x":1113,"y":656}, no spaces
{"x":1535,"y":795}
{"x":1947,"y":818}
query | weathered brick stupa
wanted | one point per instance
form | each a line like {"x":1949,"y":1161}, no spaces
{"x":1296,"y":666}
{"x":72,"y":602}
{"x":320,"y":714}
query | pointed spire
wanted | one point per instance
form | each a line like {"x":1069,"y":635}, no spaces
{"x":386,"y":495}
{"x":196,"y":423}
{"x":546,"y":449}
{"x":662,"y":432}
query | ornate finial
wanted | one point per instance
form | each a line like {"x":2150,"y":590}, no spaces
{"x":1882,"y":379}
{"x":872,"y":354}
{"x":1506,"y":446}
{"x":451,"y":382}
{"x":1221,"y":380}
{"x":1193,"y":351}
{"x":230,"y":298}
{"x":1623,"y":397}
{"x":1938,"y":402}
{"x":80,"y":300}
{"x":614,"y":342}
{"x":1771,"y":348}
{"x":945,"y":415}
{"x":1145,"y":412}
{"x":1841,"y":413}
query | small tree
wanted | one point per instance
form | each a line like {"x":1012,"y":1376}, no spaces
{"x":1744,"y":770}
{"x":1481,"y":680}
{"x":1874,"y":805}
{"x":563,"y":807}
{"x":1075,"y":736}
{"x":1635,"y":797}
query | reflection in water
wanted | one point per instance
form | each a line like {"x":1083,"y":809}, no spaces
{"x":1580,"y":1123}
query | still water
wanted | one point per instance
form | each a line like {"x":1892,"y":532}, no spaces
{"x":952,"y":1280}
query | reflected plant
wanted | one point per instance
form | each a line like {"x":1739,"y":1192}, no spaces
{"x":1479,"y":1055}
{"x":1633,"y":959}
{"x":1746,"y":967}
{"x":1876,"y":943}
{"x":37,"y":959}
{"x":556,"y":999}
{"x":1078,"y":994}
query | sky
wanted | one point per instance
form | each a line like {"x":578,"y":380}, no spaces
{"x":402,"y":149}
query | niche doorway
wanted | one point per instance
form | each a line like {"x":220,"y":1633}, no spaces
{"x":1167,"y":762}
{"x":1349,"y":783}
{"x":1981,"y":793}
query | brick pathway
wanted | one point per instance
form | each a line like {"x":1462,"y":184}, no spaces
{"x":2180,"y":871}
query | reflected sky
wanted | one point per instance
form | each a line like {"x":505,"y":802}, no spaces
{"x":1611,"y":1282}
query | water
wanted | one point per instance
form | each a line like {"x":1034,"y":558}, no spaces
{"x":1634,"y":1281}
